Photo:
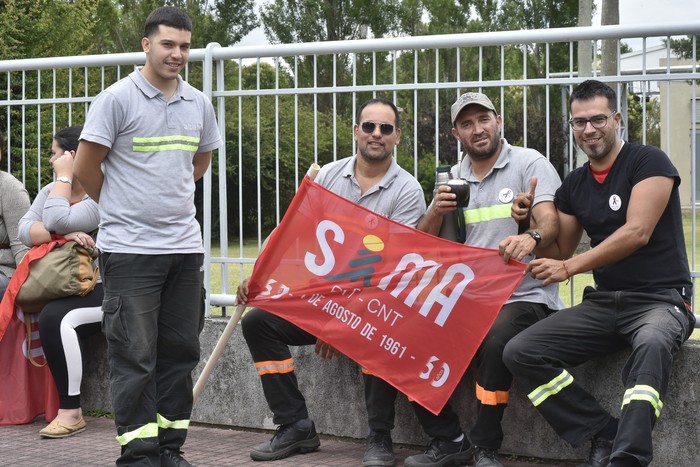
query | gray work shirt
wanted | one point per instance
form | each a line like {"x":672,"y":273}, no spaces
{"x":147,"y":197}
{"x":397,"y":196}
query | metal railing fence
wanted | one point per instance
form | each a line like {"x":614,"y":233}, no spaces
{"x":281,"y":107}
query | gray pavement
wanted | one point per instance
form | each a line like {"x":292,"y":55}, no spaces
{"x":207,"y":446}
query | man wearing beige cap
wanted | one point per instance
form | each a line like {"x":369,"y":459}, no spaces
{"x":495,"y":172}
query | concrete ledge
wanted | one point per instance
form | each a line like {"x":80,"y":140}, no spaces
{"x":233,"y":396}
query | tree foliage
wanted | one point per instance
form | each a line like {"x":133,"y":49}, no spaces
{"x":269,"y":138}
{"x":47,"y":28}
{"x":635,"y":120}
{"x":682,"y":47}
{"x":224,"y":21}
{"x":43,"y":28}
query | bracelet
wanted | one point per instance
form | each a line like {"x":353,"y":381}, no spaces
{"x":566,"y":270}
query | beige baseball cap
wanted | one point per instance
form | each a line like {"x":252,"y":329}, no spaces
{"x":469,"y":98}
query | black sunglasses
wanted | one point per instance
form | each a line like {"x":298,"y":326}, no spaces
{"x":385,"y":128}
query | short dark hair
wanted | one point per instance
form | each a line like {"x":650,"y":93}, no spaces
{"x":68,"y":138}
{"x":379,"y":100}
{"x":592,"y":88}
{"x":167,"y":16}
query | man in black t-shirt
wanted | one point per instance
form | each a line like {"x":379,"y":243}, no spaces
{"x":626,"y":198}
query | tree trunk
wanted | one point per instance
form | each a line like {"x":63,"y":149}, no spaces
{"x":585,"y":48}
{"x":610,"y":14}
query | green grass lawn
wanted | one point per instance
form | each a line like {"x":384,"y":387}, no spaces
{"x":570,"y":293}
{"x":233,"y":272}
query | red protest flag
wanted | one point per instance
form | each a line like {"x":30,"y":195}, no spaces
{"x":410,"y":307}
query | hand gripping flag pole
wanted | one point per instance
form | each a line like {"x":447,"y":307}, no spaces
{"x":231,"y":326}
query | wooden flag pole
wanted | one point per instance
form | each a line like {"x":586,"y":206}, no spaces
{"x":230,"y":326}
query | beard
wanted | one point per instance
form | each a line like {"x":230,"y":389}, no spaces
{"x":600,"y":149}
{"x":482,"y":154}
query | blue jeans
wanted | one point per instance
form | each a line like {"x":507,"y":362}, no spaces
{"x":153,"y":314}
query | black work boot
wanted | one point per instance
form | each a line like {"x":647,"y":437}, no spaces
{"x":485,"y":457}
{"x":173,"y":458}
{"x":443,"y":453}
{"x":601,"y":449}
{"x":298,"y":437}
{"x":380,"y":451}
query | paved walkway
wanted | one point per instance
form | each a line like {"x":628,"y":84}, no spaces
{"x":207,"y":446}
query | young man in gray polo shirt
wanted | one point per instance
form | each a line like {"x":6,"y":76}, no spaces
{"x":154,"y":133}
{"x":372,"y":179}
{"x":496,"y":172}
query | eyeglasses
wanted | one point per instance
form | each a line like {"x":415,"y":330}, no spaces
{"x":597,"y":121}
{"x":385,"y":128}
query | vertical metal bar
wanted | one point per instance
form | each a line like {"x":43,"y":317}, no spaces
{"x":693,"y":155}
{"x":277,"y":142}
{"x":503,"y":95}
{"x":207,"y":190}
{"x":296,"y":121}
{"x":258,"y":155}
{"x":524,"y":48}
{"x":458,"y":78}
{"x":38,"y":129}
{"x":6,"y":149}
{"x":70,"y":96}
{"x":394,"y":82}
{"x":86,"y":81}
{"x":374,"y":74}
{"x":437,"y":108}
{"x":546,"y":103}
{"x":415,"y":113}
{"x":240,"y":164}
{"x":354,"y":96}
{"x":335,"y":108}
{"x":223,"y":185}
{"x":24,"y":126}
{"x":315,"y":109}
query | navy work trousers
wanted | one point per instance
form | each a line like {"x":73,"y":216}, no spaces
{"x":153,"y":314}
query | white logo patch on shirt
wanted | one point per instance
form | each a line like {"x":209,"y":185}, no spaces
{"x":615,"y":203}
{"x":506,"y":195}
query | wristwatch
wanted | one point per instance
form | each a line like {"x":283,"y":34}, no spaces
{"x":65,"y":179}
{"x":535,"y":235}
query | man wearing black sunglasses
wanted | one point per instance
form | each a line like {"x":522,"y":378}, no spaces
{"x":372,"y":179}
{"x":495,"y":172}
{"x":626,"y":198}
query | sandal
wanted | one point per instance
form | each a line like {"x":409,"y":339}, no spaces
{"x":57,"y":429}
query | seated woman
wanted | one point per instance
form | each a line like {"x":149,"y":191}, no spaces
{"x":14,"y":202}
{"x":63,"y":208}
